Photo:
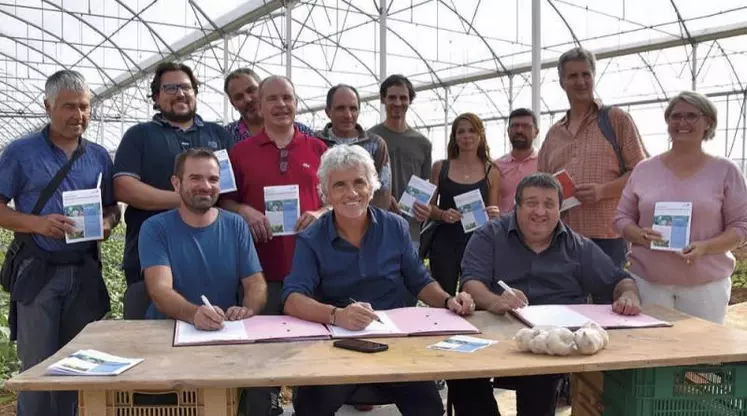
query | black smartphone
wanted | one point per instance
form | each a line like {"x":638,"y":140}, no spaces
{"x":360,"y":345}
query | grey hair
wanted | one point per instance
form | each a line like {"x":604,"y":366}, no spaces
{"x":347,"y":156}
{"x":576,"y":54}
{"x":702,"y":103}
{"x":537,"y":180}
{"x":63,"y":80}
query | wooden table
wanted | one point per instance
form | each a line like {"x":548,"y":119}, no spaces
{"x":218,"y":369}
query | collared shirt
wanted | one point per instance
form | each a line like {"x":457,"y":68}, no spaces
{"x":28,"y":164}
{"x":147,"y":152}
{"x":239,"y":130}
{"x":512,"y":172}
{"x":589,"y":158}
{"x":564,"y":273}
{"x":385,"y":271}
{"x":256,"y":164}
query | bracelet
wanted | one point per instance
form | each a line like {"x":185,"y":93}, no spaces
{"x":446,"y":302}
{"x":332,"y":316}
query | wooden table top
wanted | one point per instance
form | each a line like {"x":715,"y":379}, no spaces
{"x":689,"y":341}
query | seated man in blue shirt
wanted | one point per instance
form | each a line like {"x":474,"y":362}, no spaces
{"x":359,"y":252}
{"x":197,"y":250}
{"x":544,"y":262}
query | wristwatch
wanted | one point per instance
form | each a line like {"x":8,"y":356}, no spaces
{"x":446,"y":302}
{"x":332,"y":316}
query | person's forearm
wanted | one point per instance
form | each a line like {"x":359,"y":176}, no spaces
{"x":140,"y":195}
{"x":614,"y":188}
{"x":173,"y":305}
{"x":726,"y":241}
{"x":230,"y":205}
{"x":112,"y":215}
{"x":255,"y":295}
{"x":483,"y":297}
{"x":308,"y":309}
{"x":436,"y":213}
{"x":13,"y":220}
{"x":624,"y":286}
{"x":433,"y":295}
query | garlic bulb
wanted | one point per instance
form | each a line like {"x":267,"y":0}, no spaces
{"x":602,"y":331}
{"x":588,"y":340}
{"x":524,"y":336}
{"x":560,"y":341}
{"x":538,"y":344}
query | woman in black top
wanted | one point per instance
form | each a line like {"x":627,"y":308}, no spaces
{"x":468,"y":167}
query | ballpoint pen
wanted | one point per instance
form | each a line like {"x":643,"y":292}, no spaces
{"x":511,"y":292}
{"x":377,"y":316}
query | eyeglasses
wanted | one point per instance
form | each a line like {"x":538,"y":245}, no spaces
{"x":283,"y":161}
{"x":171,"y":89}
{"x":688,"y":117}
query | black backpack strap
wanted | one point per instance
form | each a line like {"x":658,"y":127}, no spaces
{"x":52,"y":186}
{"x":605,"y":125}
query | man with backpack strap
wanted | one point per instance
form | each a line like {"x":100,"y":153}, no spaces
{"x":598,"y":146}
{"x":56,"y":288}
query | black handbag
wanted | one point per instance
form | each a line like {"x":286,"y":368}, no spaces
{"x":430,"y":226}
{"x":11,"y":264}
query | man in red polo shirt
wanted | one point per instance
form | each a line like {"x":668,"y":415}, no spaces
{"x":279,"y":155}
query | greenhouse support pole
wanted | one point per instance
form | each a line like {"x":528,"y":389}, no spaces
{"x":695,"y":67}
{"x":382,"y":51}
{"x":288,"y":39}
{"x":536,"y":57}
{"x":226,"y":102}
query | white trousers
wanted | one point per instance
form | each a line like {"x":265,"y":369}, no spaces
{"x":708,"y":301}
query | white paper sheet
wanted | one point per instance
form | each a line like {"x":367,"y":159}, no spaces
{"x":187,"y":334}
{"x":227,"y":178}
{"x":383,"y":328}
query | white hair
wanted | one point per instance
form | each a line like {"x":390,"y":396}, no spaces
{"x":344,"y":156}
{"x":63,"y":80}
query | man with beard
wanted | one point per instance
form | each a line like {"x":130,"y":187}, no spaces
{"x":241,"y":87}
{"x":198,"y":250}
{"x":522,"y":160}
{"x":56,"y":288}
{"x":142,"y":165}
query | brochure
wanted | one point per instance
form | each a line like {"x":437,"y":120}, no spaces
{"x":569,"y":189}
{"x":417,"y":190}
{"x":462,"y":343}
{"x":282,"y":208}
{"x":84,"y":208}
{"x":672,"y":220}
{"x":92,"y":363}
{"x":472,"y":208}
{"x":227,"y":180}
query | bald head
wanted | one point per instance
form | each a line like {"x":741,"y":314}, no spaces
{"x":277,"y":101}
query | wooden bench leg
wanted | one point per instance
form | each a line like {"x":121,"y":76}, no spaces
{"x":92,"y":403}
{"x":218,"y":402}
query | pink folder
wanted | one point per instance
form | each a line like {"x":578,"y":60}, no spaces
{"x":575,"y":316}
{"x":430,"y":321}
{"x":607,"y":318}
{"x":282,"y":328}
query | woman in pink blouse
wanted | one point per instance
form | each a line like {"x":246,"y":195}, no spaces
{"x":697,"y":279}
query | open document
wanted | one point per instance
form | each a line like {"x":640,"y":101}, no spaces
{"x":282,"y":208}
{"x":227,"y":180}
{"x":472,"y":208}
{"x":672,"y":220}
{"x":417,"y":190}
{"x":385,"y":328}
{"x":84,"y":208}
{"x":569,"y":189}
{"x":575,"y":316}
{"x":92,"y":363}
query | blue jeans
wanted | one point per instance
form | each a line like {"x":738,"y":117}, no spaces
{"x":417,"y":398}
{"x":45,"y":325}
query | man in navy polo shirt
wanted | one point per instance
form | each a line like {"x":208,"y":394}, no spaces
{"x":57,"y":288}
{"x":241,"y":87}
{"x":145,"y":157}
